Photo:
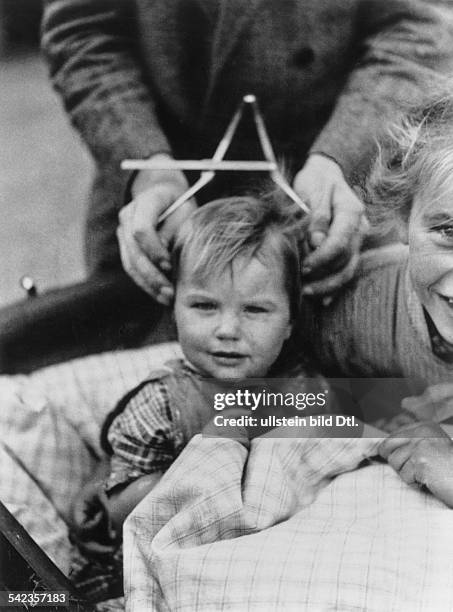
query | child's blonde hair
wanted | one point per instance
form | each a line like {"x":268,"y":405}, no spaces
{"x":417,"y":155}
{"x":225,"y":229}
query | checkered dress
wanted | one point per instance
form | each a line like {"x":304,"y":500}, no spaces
{"x":144,"y":435}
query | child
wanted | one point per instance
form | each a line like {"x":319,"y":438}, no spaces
{"x":396,"y":319}
{"x":237,"y":276}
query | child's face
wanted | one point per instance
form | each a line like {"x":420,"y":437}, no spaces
{"x":233,"y":325}
{"x":430,"y":237}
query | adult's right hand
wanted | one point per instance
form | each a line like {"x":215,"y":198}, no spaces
{"x":143,"y":247}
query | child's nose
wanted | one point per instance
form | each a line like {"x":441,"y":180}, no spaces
{"x":229,"y":326}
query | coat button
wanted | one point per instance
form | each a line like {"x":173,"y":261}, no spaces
{"x":303,"y":56}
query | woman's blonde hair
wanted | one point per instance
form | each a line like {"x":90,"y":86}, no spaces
{"x":416,"y":155}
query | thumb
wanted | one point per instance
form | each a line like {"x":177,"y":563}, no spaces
{"x":321,"y":217}
{"x":148,"y":207}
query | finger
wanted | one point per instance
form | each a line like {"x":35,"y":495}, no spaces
{"x":319,"y":228}
{"x":408,"y":473}
{"x":436,"y":402}
{"x":439,"y":392}
{"x":130,"y":267}
{"x":399,"y":457}
{"x":143,"y":226}
{"x":391,"y":444}
{"x":400,"y":421}
{"x":138,"y":265}
{"x":411,"y":435}
{"x":350,"y":242}
{"x":432,"y":395}
{"x":133,"y":252}
{"x":337,"y":245}
{"x":421,"y":410}
{"x":343,"y":233}
{"x":321,"y":217}
{"x":317,"y":195}
{"x":334,"y":282}
{"x":170,"y":226}
{"x":142,"y":271}
{"x":335,"y":265}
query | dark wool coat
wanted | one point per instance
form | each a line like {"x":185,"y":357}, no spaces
{"x":144,"y":76}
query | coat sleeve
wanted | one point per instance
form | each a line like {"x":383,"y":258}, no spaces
{"x":405,"y":52}
{"x":91,"y":50}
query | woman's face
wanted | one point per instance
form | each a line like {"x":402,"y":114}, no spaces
{"x":430,"y":237}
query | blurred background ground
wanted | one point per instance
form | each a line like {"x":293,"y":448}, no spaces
{"x":45,"y":171}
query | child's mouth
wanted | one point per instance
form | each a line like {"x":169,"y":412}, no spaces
{"x":227,"y":357}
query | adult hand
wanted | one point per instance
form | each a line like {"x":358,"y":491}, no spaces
{"x":435,"y":403}
{"x":422,"y":453}
{"x":403,"y":419}
{"x":337,"y":226}
{"x":143,"y":246}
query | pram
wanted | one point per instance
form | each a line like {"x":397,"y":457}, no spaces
{"x":40,"y":331}
{"x":96,"y":315}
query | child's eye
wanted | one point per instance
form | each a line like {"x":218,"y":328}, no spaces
{"x":252,"y":309}
{"x":205,"y":306}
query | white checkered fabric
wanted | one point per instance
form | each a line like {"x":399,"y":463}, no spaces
{"x":49,"y":436}
{"x":273,"y":530}
{"x":224,"y":529}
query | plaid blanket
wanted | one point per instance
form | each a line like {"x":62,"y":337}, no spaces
{"x":292,"y":525}
{"x":49,"y":436}
{"x":284,"y":527}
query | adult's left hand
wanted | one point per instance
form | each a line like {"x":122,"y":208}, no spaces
{"x":435,"y":403}
{"x":337,"y":226}
{"x":422,"y":453}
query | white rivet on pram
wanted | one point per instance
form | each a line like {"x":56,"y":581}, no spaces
{"x":209,"y":167}
{"x":28,"y":284}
